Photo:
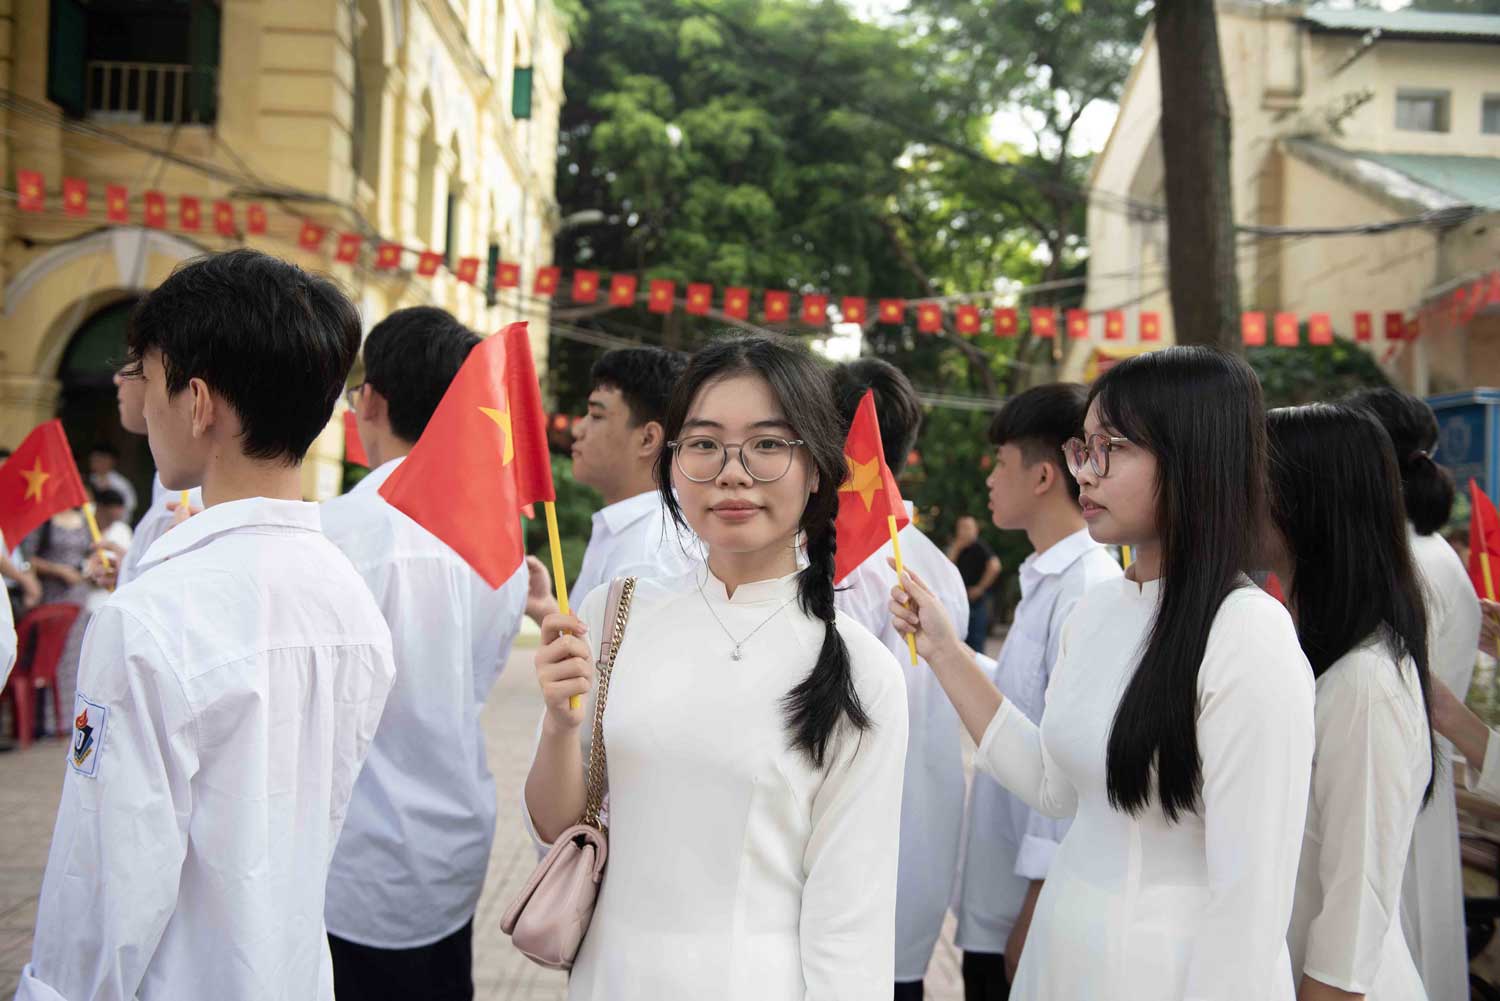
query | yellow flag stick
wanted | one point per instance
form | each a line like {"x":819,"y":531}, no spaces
{"x":185,"y":503}
{"x":1126,"y":556}
{"x":88,"y":514}
{"x":554,"y":542}
{"x":911,"y":641}
{"x":1489,"y":587}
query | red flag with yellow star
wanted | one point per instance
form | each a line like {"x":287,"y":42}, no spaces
{"x":482,"y":458}
{"x":75,"y":196}
{"x":37,"y":481}
{"x":869,"y":497}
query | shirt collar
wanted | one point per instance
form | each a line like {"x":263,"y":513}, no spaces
{"x":621,"y":514}
{"x":375,"y":478}
{"x":1063,"y":554}
{"x":222,"y":519}
{"x":776,"y":589}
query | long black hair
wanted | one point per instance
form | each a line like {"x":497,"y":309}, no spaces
{"x":1336,"y":499}
{"x":1199,"y":412}
{"x":815,"y":706}
{"x":1426,"y":487}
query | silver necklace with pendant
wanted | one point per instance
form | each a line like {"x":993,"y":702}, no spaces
{"x":737,"y":653}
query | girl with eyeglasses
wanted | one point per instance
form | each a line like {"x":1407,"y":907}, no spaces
{"x":1178,"y":726}
{"x":1336,"y":536}
{"x":755,"y":738}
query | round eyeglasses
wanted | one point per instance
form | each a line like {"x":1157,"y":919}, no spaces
{"x":766,"y":457}
{"x":1094,"y":450}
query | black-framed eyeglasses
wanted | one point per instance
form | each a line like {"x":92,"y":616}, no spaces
{"x":1094,"y":450}
{"x":351,"y":395}
{"x":766,"y":457}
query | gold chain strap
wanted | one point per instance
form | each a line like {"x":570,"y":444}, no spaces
{"x":597,"y":771}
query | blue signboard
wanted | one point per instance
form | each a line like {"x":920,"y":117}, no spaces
{"x":1469,"y":437}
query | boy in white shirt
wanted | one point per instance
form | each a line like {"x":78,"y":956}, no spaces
{"x":1009,"y":847}
{"x":932,"y":800}
{"x":409,"y":867}
{"x":226,"y":698}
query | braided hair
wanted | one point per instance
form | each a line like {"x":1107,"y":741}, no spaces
{"x":816,"y":705}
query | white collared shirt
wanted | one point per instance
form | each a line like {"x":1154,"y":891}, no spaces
{"x":1008,"y":843}
{"x":932,"y":800}
{"x":7,"y":641}
{"x":634,"y":537}
{"x":225,"y":703}
{"x":153,"y":525}
{"x":411,"y":861}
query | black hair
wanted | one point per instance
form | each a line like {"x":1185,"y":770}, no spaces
{"x":410,"y":358}
{"x":1336,"y":499}
{"x":817,"y":704}
{"x":273,"y":340}
{"x":645,"y":377}
{"x":107,"y":497}
{"x":896,"y":405}
{"x":104,"y":448}
{"x":1426,"y":487}
{"x":1199,"y":412}
{"x":1039,"y":421}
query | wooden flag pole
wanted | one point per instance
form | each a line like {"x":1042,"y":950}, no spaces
{"x":911,"y":641}
{"x":554,"y":542}
{"x":88,"y":514}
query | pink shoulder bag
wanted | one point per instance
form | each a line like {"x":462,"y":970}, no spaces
{"x":549,"y":918}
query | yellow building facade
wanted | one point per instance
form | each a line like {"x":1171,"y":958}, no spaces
{"x":432,"y":125}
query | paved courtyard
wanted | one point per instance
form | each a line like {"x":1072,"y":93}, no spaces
{"x":30,"y":783}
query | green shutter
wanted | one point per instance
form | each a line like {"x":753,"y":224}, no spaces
{"x":68,"y":29}
{"x":520,"y":94}
{"x":203,"y":53}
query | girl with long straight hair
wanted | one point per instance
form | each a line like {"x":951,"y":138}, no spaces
{"x":755,"y":738}
{"x":1337,"y":540}
{"x":1432,"y":895}
{"x":1179,"y":719}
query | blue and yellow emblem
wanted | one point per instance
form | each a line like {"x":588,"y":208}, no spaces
{"x":88,"y":734}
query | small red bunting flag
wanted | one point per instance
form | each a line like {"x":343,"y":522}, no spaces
{"x":468,"y":270}
{"x":507,"y":275}
{"x":622,"y":290}
{"x":31,"y":191}
{"x":1494,"y":294}
{"x":1364,"y":326}
{"x":388,"y":257}
{"x":1114,"y":325}
{"x":966,"y":320}
{"x":75,"y":196}
{"x":778,"y":306}
{"x":1078,"y":324}
{"x":660,"y":295}
{"x":700,"y":298}
{"x":815,"y":310}
{"x":1007,"y":322}
{"x":930,"y":318}
{"x":892,"y":310}
{"x":1286,"y":330}
{"x":255,"y":220}
{"x":1395,"y":326}
{"x":348,"y":248}
{"x":116,"y":203}
{"x":737,"y":303}
{"x":1319,"y":329}
{"x":585,"y":286}
{"x":189,"y":213}
{"x":156,"y":210}
{"x":1150,"y":326}
{"x":1253,"y":329}
{"x":311,"y":236}
{"x":427,"y":263}
{"x":547,"y":281}
{"x":1044,"y":321}
{"x":854,"y":309}
{"x":224,"y":218}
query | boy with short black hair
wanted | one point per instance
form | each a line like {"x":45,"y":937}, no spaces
{"x":226,"y":697}
{"x":1009,"y":846}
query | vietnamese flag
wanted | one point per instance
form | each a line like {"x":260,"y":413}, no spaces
{"x":854,"y":309}
{"x":311,"y":236}
{"x":354,"y":449}
{"x":815,"y":310}
{"x":468,"y":270}
{"x":622,"y":290}
{"x":778,"y":306}
{"x":224,"y":218}
{"x":255,"y":219}
{"x":868,"y":497}
{"x":427,"y":263}
{"x":1285,"y":326}
{"x":1253,"y":329}
{"x":348,"y":248}
{"x":659,"y":300}
{"x":1484,"y":542}
{"x":1319,"y":329}
{"x":1395,"y":326}
{"x":507,"y":275}
{"x":1364,"y":327}
{"x":1150,"y":326}
{"x":700,"y":297}
{"x":966,"y":320}
{"x":156,"y":210}
{"x":1078,"y":324}
{"x":31,"y":193}
{"x":929,"y":318}
{"x":189,"y":213}
{"x":1007,"y":322}
{"x":547,"y":281}
{"x":892,"y":310}
{"x":481,"y":459}
{"x":585,"y":286}
{"x":75,"y":196}
{"x":116,"y":203}
{"x":737,"y":303}
{"x":1114,"y":325}
{"x":1044,"y":321}
{"x":388,"y":257}
{"x":37,"y":481}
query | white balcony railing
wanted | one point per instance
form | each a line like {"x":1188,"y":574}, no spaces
{"x":150,"y":93}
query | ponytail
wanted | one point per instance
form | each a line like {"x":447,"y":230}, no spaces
{"x":1427,"y":489}
{"x":814,"y":706}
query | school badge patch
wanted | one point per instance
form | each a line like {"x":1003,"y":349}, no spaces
{"x":88,"y":735}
